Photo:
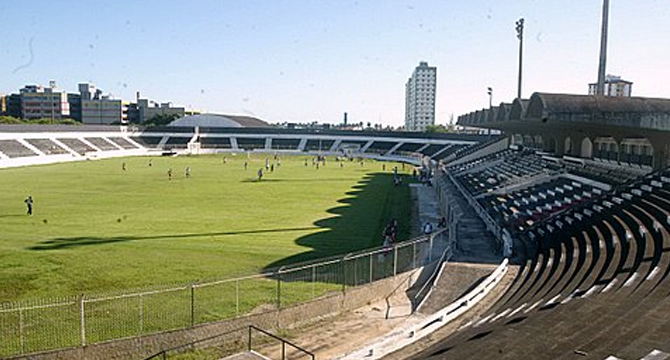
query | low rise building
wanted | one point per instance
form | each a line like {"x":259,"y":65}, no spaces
{"x":614,"y":86}
{"x":38,"y":102}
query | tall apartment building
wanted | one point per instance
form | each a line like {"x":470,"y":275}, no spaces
{"x":420,"y":93}
{"x":39,"y":102}
{"x":614,"y":86}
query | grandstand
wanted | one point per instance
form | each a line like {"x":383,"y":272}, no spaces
{"x":590,"y":230}
{"x":42,"y":144}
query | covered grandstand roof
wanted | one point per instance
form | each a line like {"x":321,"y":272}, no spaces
{"x":216,"y":120}
{"x":651,"y":114}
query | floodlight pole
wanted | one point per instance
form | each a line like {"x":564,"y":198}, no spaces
{"x":600,"y":87}
{"x":490,"y":92}
{"x":519,"y":35}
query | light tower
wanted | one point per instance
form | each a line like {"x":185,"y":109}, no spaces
{"x":600,"y":87}
{"x":519,"y":35}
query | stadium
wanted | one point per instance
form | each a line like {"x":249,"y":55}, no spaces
{"x":554,"y":241}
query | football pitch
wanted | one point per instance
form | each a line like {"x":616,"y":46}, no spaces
{"x":97,"y":227}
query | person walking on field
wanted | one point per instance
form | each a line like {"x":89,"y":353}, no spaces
{"x":29,"y":204}
{"x":187,"y":172}
{"x":260,"y":174}
{"x":169,"y":173}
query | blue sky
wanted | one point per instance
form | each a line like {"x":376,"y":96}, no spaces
{"x":284,"y":60}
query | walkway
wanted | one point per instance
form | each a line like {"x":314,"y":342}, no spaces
{"x":337,"y":336}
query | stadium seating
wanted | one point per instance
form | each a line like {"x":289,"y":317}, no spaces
{"x":596,"y":285}
{"x":318,"y":144}
{"x":177,"y":142}
{"x":149,"y":142}
{"x":47,"y":146}
{"x":101,"y":143}
{"x":285,"y":144}
{"x":381,"y":147}
{"x":123,"y":143}
{"x":14,"y":149}
{"x":77,"y":145}
{"x":215,"y":142}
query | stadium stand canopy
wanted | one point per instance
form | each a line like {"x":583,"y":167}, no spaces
{"x":216,"y":120}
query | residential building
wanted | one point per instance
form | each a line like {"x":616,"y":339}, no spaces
{"x":144,"y":110}
{"x":96,"y":108}
{"x":614,"y":86}
{"x":39,"y":102}
{"x":420,"y":92}
{"x":13,"y":102}
{"x":75,"y":106}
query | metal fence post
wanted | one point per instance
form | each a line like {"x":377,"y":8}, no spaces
{"x":192,"y":305}
{"x":313,"y":280}
{"x":413,"y":255}
{"x":82,"y":321}
{"x":249,"y":343}
{"x":430,"y":249}
{"x":279,"y":288}
{"x":344,"y":274}
{"x":395,"y":260}
{"x":370,"y":256}
{"x":237,"y":297}
{"x":355,"y":272}
{"x":21,"y":339}
{"x":141,"y":313}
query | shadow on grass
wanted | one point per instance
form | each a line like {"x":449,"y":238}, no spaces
{"x":70,"y":242}
{"x":266,"y":179}
{"x":358,"y":223}
{"x":11,"y":215}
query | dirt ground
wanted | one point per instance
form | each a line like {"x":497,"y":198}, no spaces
{"x":334,"y":337}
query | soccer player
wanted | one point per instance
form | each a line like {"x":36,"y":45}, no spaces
{"x":29,"y":204}
{"x":246,"y":164}
{"x":169,"y":173}
{"x":260,"y":174}
{"x":187,"y":172}
{"x":123,"y":166}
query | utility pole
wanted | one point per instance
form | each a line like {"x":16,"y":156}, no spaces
{"x":519,"y":35}
{"x":600,"y":88}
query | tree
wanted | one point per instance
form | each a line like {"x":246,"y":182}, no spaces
{"x":161,"y":119}
{"x":436,"y":129}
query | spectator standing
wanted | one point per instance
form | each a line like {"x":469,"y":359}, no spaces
{"x":428,"y":228}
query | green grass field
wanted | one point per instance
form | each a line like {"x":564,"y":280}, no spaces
{"x":97,"y":228}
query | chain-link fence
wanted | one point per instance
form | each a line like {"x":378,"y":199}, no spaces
{"x":33,"y":326}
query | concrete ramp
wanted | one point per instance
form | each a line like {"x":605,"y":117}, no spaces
{"x":249,"y":355}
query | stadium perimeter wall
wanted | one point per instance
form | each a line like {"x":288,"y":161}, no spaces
{"x":292,"y":316}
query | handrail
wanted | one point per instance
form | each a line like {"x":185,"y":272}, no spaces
{"x":437,"y":271}
{"x":283,"y":342}
{"x":164,"y":353}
